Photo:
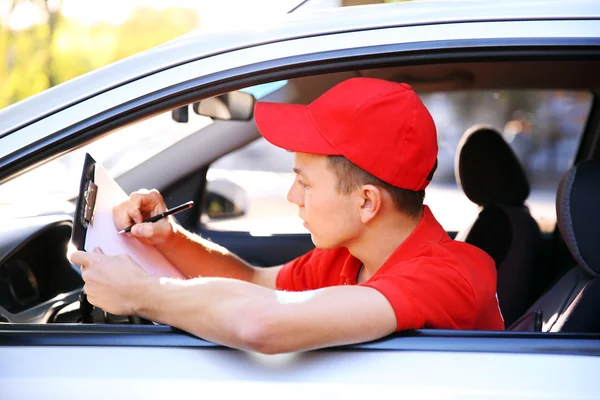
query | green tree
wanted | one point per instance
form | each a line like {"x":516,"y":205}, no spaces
{"x":60,"y":49}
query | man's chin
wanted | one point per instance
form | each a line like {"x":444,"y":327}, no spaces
{"x":320,"y":244}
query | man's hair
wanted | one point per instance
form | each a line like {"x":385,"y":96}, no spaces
{"x":350,"y":177}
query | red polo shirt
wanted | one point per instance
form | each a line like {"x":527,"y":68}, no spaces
{"x":431,"y":281}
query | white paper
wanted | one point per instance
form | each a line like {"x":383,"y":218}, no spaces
{"x":103,"y":233}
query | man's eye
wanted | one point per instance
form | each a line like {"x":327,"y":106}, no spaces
{"x":302,"y":183}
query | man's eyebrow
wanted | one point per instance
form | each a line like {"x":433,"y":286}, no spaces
{"x":300,"y":172}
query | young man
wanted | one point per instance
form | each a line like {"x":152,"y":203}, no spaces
{"x":364,"y":153}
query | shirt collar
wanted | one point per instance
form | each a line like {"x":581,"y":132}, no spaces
{"x":427,"y":230}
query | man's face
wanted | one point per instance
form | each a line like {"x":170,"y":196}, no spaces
{"x":332,"y":219}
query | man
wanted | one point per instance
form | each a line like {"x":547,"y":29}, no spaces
{"x":364,"y":153}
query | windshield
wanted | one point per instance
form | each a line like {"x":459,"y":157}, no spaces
{"x":58,"y":181}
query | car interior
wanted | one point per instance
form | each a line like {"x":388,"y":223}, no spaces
{"x":546,"y":278}
{"x":504,"y":228}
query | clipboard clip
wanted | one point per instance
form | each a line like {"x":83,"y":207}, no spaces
{"x":89,"y":200}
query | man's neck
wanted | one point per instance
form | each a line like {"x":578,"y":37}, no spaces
{"x":381,"y":240}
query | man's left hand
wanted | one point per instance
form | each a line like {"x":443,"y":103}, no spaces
{"x":111,"y":282}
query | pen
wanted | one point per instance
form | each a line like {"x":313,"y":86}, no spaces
{"x":162,"y":215}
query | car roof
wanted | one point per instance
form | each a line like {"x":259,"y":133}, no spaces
{"x":200,"y":44}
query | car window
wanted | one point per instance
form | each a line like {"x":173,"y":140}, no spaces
{"x":119,"y":151}
{"x":543,"y":127}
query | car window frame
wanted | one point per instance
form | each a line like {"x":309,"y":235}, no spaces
{"x":308,"y":64}
{"x":424,"y":340}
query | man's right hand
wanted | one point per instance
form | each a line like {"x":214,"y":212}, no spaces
{"x":141,"y":205}
{"x":189,"y":253}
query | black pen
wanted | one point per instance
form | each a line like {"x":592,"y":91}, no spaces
{"x":160,"y":216}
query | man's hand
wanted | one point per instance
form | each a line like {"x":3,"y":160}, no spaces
{"x":111,"y":282}
{"x":189,"y":253}
{"x":141,"y":205}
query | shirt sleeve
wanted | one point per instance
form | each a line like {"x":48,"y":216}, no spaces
{"x":298,"y":275}
{"x":426,"y":293}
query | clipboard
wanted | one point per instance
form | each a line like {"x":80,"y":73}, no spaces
{"x":86,"y":201}
{"x":93,"y":225}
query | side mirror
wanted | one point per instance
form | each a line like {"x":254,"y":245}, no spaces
{"x":236,"y":106}
{"x":225,"y":199}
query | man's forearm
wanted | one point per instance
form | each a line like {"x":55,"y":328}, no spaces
{"x":250,"y":317}
{"x":195,"y":256}
{"x":225,"y":311}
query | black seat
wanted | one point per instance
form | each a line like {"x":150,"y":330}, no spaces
{"x":573,"y":303}
{"x":492,"y":177}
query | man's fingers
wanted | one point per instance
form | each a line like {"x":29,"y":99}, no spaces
{"x":149,"y":201}
{"x":142,"y":230}
{"x":128,"y":212}
{"x":121,"y":215}
{"x":140,"y":205}
{"x":150,"y":229}
{"x":85,"y":258}
{"x":80,"y":258}
{"x":98,"y":250}
{"x":134,"y":211}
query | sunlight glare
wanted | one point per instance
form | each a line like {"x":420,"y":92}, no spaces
{"x":25,"y":15}
{"x":90,"y":13}
{"x":294,"y":297}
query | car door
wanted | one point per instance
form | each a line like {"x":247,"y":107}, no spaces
{"x":68,"y":361}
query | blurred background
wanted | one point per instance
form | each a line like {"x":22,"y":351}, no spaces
{"x":47,"y":42}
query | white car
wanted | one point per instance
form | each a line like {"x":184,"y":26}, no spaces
{"x":470,"y":61}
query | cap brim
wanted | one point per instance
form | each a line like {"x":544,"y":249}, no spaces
{"x":290,"y":127}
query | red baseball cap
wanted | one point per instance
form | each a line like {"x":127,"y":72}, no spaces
{"x":381,"y":126}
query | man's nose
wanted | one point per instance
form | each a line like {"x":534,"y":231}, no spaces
{"x":294,"y":196}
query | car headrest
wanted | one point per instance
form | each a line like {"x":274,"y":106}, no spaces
{"x":488,"y":170}
{"x":578,"y":215}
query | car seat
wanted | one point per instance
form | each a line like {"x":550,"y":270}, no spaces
{"x":492,"y":177}
{"x":572,"y":304}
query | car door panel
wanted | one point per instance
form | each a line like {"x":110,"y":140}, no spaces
{"x":157,"y":362}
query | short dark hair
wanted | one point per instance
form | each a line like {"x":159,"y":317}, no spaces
{"x":350,"y":177}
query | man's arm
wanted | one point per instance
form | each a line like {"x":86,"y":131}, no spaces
{"x":195,"y":256}
{"x":250,"y":317}
{"x":237,"y":313}
{"x":192,"y":255}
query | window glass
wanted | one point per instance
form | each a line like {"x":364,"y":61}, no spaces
{"x":543,"y":127}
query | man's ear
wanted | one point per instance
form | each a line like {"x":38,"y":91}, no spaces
{"x":371,"y":198}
